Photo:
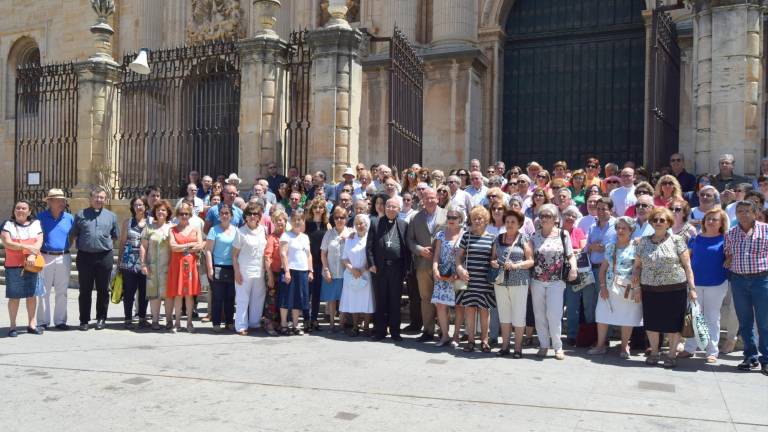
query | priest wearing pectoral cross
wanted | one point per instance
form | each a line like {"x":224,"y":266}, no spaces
{"x":390,"y":258}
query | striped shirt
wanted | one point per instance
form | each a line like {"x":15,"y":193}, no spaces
{"x":748,"y":249}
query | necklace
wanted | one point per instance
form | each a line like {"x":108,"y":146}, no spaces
{"x":390,"y":236}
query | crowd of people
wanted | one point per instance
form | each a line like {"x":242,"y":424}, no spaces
{"x":513,"y":251}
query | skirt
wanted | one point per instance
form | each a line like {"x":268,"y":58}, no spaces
{"x":296,"y":294}
{"x":357,"y":294}
{"x":664,"y":311}
{"x":331,"y":291}
{"x":443,"y":293}
{"x":20,"y":285}
{"x":625,"y":312}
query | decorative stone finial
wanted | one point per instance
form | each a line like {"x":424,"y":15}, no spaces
{"x":102,"y":31}
{"x":266,"y":18}
{"x":338,"y":11}
{"x":103,"y":8}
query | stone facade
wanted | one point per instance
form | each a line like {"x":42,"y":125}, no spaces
{"x":461,"y":41}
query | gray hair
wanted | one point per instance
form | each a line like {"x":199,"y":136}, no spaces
{"x":727,"y":157}
{"x":551,"y":209}
{"x":626,"y":220}
{"x":570,"y":210}
{"x":98,"y":189}
{"x":495,"y":180}
{"x":453,"y":178}
{"x":365,"y":219}
{"x":452,"y":208}
{"x":565,"y":190}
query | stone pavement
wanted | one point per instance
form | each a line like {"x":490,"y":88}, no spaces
{"x":123,"y":380}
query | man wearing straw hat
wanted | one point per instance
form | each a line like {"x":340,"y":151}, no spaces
{"x":57,"y":224}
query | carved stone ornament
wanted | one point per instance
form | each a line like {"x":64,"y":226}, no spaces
{"x":103,"y":8}
{"x":214,"y":20}
{"x":352,"y":15}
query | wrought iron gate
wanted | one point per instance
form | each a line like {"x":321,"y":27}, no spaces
{"x":183,"y":116}
{"x":46,"y":131}
{"x":406,"y":102}
{"x":296,"y":147}
{"x":664,"y":113}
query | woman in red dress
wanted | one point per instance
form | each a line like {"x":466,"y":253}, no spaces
{"x":183,"y":280}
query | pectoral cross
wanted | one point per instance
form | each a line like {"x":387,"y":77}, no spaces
{"x":389,"y":243}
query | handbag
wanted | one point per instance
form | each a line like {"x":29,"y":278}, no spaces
{"x":223,"y":274}
{"x":116,"y":295}
{"x":584,"y":275}
{"x":700,"y":329}
{"x":36,"y":266}
{"x":687,"y":331}
{"x":459,"y":284}
{"x":621,"y":286}
{"x":496,"y":275}
{"x":566,"y":263}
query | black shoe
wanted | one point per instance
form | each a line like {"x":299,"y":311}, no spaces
{"x":748,"y":365}
{"x":62,"y":327}
{"x":84,"y":327}
{"x":504,"y":352}
{"x":13,"y":333}
{"x":35,"y":330}
{"x":101,"y":324}
{"x":377,"y":338}
{"x":412,"y":328}
{"x":764,"y":369}
{"x":397,"y":338}
{"x":129,"y":325}
{"x":571,"y":342}
{"x":426,"y":337}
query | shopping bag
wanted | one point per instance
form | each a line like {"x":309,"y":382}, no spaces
{"x":700,"y":328}
{"x":117,"y":288}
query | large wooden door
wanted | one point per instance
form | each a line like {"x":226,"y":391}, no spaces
{"x":574,"y":81}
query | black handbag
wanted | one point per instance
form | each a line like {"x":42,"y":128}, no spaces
{"x":566,"y":262}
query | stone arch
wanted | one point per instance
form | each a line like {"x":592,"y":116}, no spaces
{"x":24,"y":51}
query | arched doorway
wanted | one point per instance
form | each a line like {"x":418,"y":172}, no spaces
{"x":574,"y":81}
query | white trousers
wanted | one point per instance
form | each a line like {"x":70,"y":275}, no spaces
{"x":547,"y":298}
{"x":728,"y":317}
{"x":55,"y":277}
{"x":710,"y":299}
{"x":249,"y":303}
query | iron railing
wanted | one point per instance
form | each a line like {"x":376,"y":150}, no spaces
{"x":296,"y":147}
{"x":183,"y":116}
{"x":406,"y":102}
{"x":46,"y":131}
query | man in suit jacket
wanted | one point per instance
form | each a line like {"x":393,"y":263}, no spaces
{"x":388,"y":252}
{"x":421,"y":232}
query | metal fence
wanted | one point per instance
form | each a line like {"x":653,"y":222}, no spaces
{"x":46,"y":131}
{"x":296,"y":143}
{"x":406,"y":102}
{"x":183,"y":116}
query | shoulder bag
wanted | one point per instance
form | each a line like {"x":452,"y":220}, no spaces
{"x":497,"y":275}
{"x":459,"y":284}
{"x":621,"y":286}
{"x":566,"y":262}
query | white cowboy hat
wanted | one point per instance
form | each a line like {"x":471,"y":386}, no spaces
{"x":56,"y":193}
{"x":234,"y":179}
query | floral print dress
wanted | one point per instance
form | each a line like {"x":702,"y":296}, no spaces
{"x":443,"y":292}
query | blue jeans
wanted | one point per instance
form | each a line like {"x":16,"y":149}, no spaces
{"x":750,"y":298}
{"x":573,"y":300}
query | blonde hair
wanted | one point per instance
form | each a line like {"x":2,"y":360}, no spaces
{"x":481,"y":211}
{"x":678,"y":191}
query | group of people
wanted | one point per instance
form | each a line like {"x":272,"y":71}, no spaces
{"x":506,"y":249}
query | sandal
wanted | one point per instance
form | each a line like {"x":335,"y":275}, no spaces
{"x":190,"y":328}
{"x":504,"y":352}
{"x":652,"y":359}
{"x":470,"y":347}
{"x":484,"y":347}
{"x":284,"y":331}
{"x":711,"y":359}
{"x":270,"y":331}
{"x":670,"y":362}
{"x":517,"y":355}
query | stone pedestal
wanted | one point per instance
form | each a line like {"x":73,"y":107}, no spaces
{"x":95,"y":119}
{"x":336,"y":83}
{"x":727,"y":45}
{"x":454,"y":23}
{"x":262,"y":63}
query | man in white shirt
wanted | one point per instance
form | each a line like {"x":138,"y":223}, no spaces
{"x":476,"y":189}
{"x":460,"y":200}
{"x":623,"y":197}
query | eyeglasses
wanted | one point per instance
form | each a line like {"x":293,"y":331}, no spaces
{"x":340,"y":218}
{"x":591,"y":166}
{"x":667,"y":183}
{"x":390,"y":207}
{"x":545,"y":216}
{"x":712,"y":219}
{"x":498,"y":209}
{"x":183,"y":214}
{"x":247,"y":214}
{"x":612,"y":182}
{"x":676,"y":209}
{"x":706,"y":195}
{"x":643,"y":206}
{"x":642,"y":192}
{"x":658,"y":221}
{"x":579,"y":178}
{"x":452,"y":217}
{"x":676,"y":160}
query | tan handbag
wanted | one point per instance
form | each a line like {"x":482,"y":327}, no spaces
{"x":36,"y":266}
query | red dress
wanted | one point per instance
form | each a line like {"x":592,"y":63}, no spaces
{"x":183,"y":279}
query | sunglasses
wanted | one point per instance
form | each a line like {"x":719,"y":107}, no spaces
{"x":498,"y":209}
{"x":542,"y":176}
{"x":340,"y":218}
{"x":658,"y":221}
{"x":252,"y":214}
{"x":643,"y":206}
{"x":642,"y":192}
{"x":492,"y":196}
{"x":512,"y":183}
{"x":676,"y":209}
{"x":452,"y":217}
{"x":183,"y":214}
{"x":591,"y":166}
{"x":676,"y":160}
{"x":545,"y":216}
{"x":612,"y":182}
{"x":538,"y":195}
{"x":667,"y":183}
{"x":442,"y":191}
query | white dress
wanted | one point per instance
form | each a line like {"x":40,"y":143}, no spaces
{"x":617,"y":310}
{"x":356,"y":294}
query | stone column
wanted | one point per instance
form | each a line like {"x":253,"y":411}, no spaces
{"x":401,"y":13}
{"x":262,"y":65}
{"x":454,"y":23}
{"x":336,"y":82}
{"x":729,"y":53}
{"x":96,"y":93}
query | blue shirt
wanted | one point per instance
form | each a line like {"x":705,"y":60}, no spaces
{"x":707,"y":258}
{"x":213,"y":216}
{"x":222,"y":244}
{"x":604,"y":235}
{"x":56,"y":231}
{"x":643,"y":230}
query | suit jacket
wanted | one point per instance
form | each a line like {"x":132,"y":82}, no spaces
{"x":376,"y":232}
{"x":420,"y":236}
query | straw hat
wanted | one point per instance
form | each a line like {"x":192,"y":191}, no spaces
{"x":56,"y":193}
{"x":234,"y":179}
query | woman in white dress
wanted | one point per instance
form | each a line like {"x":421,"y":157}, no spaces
{"x":250,"y":270}
{"x":619,"y":302}
{"x":357,"y":293}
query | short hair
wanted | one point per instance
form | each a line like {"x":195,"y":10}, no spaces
{"x":607,"y":201}
{"x":593,"y":160}
{"x":480,"y":211}
{"x":364,"y":218}
{"x":98,"y":189}
{"x":684,"y":204}
{"x":664,"y":212}
{"x":760,"y":197}
{"x":151,"y":188}
{"x":451,"y":208}
{"x":724,"y":220}
{"x":133,"y":200}
{"x":746,"y":203}
{"x":228,"y":208}
{"x":339,"y":210}
{"x":517,"y":214}
{"x":566,"y":191}
{"x":551,"y":209}
{"x":579,"y":172}
{"x":163,"y":204}
{"x":560,"y":164}
{"x":279,"y":213}
{"x":726,"y":157}
{"x":254,"y":207}
{"x":626,"y":220}
{"x":570,"y":210}
{"x":645,"y":186}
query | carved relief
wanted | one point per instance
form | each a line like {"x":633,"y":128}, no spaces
{"x":214,"y":20}
{"x":353,"y":13}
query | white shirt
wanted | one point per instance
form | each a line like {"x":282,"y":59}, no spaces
{"x":251,"y":244}
{"x":406,"y":216}
{"x":298,"y":250}
{"x":462,"y":202}
{"x":623,"y":198}
{"x":23,"y":232}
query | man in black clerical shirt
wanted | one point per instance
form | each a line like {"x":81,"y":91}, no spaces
{"x":389,"y":255}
